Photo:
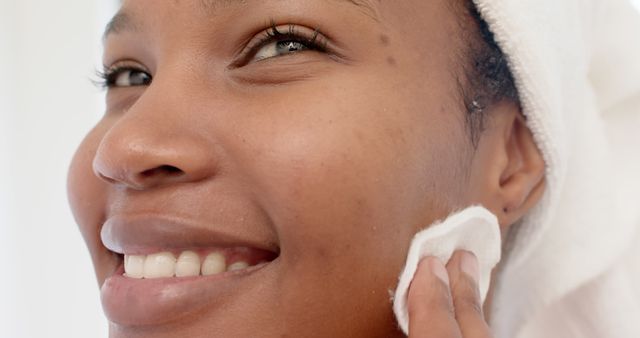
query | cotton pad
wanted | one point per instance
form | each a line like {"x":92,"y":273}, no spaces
{"x":474,"y":229}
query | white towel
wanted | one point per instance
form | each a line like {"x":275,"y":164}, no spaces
{"x":474,"y":229}
{"x":577,"y":68}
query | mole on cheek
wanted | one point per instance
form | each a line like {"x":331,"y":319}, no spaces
{"x":391,"y":61}
{"x":384,"y":40}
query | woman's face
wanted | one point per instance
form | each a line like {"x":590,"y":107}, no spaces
{"x":314,"y":135}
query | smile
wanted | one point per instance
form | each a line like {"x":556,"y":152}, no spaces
{"x":169,"y":268}
{"x":191,"y":263}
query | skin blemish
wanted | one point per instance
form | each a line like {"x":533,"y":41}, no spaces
{"x":384,"y":40}
{"x":391,"y":61}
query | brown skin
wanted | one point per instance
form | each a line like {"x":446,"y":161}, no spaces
{"x":345,"y":155}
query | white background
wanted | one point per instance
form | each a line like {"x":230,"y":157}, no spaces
{"x":48,"y":53}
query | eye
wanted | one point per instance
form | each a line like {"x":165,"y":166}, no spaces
{"x":125,"y":76}
{"x":279,"y":48}
{"x":278,"y":41}
{"x":131,"y":78}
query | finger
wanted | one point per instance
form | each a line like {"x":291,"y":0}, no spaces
{"x":464,"y":275}
{"x":429,"y":302}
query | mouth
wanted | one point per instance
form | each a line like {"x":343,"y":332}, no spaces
{"x":168,"y":269}
{"x":193,"y":263}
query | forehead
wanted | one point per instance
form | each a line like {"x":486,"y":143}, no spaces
{"x":125,"y":19}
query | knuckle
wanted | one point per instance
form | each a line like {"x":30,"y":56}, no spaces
{"x":471,"y":304}
{"x":436,"y":298}
{"x":466,"y":296}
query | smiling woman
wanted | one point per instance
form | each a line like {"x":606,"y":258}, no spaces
{"x":262,"y":166}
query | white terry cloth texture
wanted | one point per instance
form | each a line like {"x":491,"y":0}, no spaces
{"x":569,"y":268}
{"x":474,"y":229}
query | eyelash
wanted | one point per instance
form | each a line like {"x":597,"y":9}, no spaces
{"x":273,"y":34}
{"x":107,"y":77}
{"x":315,"y":42}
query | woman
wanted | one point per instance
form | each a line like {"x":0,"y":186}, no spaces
{"x":263,"y":165}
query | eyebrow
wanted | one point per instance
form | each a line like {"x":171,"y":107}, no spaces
{"x":120,"y":22}
{"x":123,"y":22}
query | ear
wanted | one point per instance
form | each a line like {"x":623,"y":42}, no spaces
{"x":508,"y":170}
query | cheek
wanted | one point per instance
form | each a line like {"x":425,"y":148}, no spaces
{"x":357,"y":186}
{"x":370,"y":163}
{"x":347,"y":183}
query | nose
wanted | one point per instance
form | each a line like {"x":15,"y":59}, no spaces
{"x":142,"y":154}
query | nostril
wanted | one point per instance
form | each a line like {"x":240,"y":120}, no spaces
{"x":106,"y":179}
{"x":164,"y":170}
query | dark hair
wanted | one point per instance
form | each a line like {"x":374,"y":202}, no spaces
{"x":486,"y":78}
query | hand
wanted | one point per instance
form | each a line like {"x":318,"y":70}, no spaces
{"x":445,"y":302}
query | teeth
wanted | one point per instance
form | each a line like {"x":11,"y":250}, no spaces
{"x":134,"y":266}
{"x":160,"y":265}
{"x":188,"y":264}
{"x":213,"y":264}
{"x":238,"y":266}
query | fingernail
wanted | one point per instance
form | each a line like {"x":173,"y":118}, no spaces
{"x":439,"y":270}
{"x":469,"y":265}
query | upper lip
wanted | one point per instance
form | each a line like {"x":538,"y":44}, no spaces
{"x":144,"y":234}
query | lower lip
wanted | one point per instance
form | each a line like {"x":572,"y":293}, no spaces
{"x":141,"y":302}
